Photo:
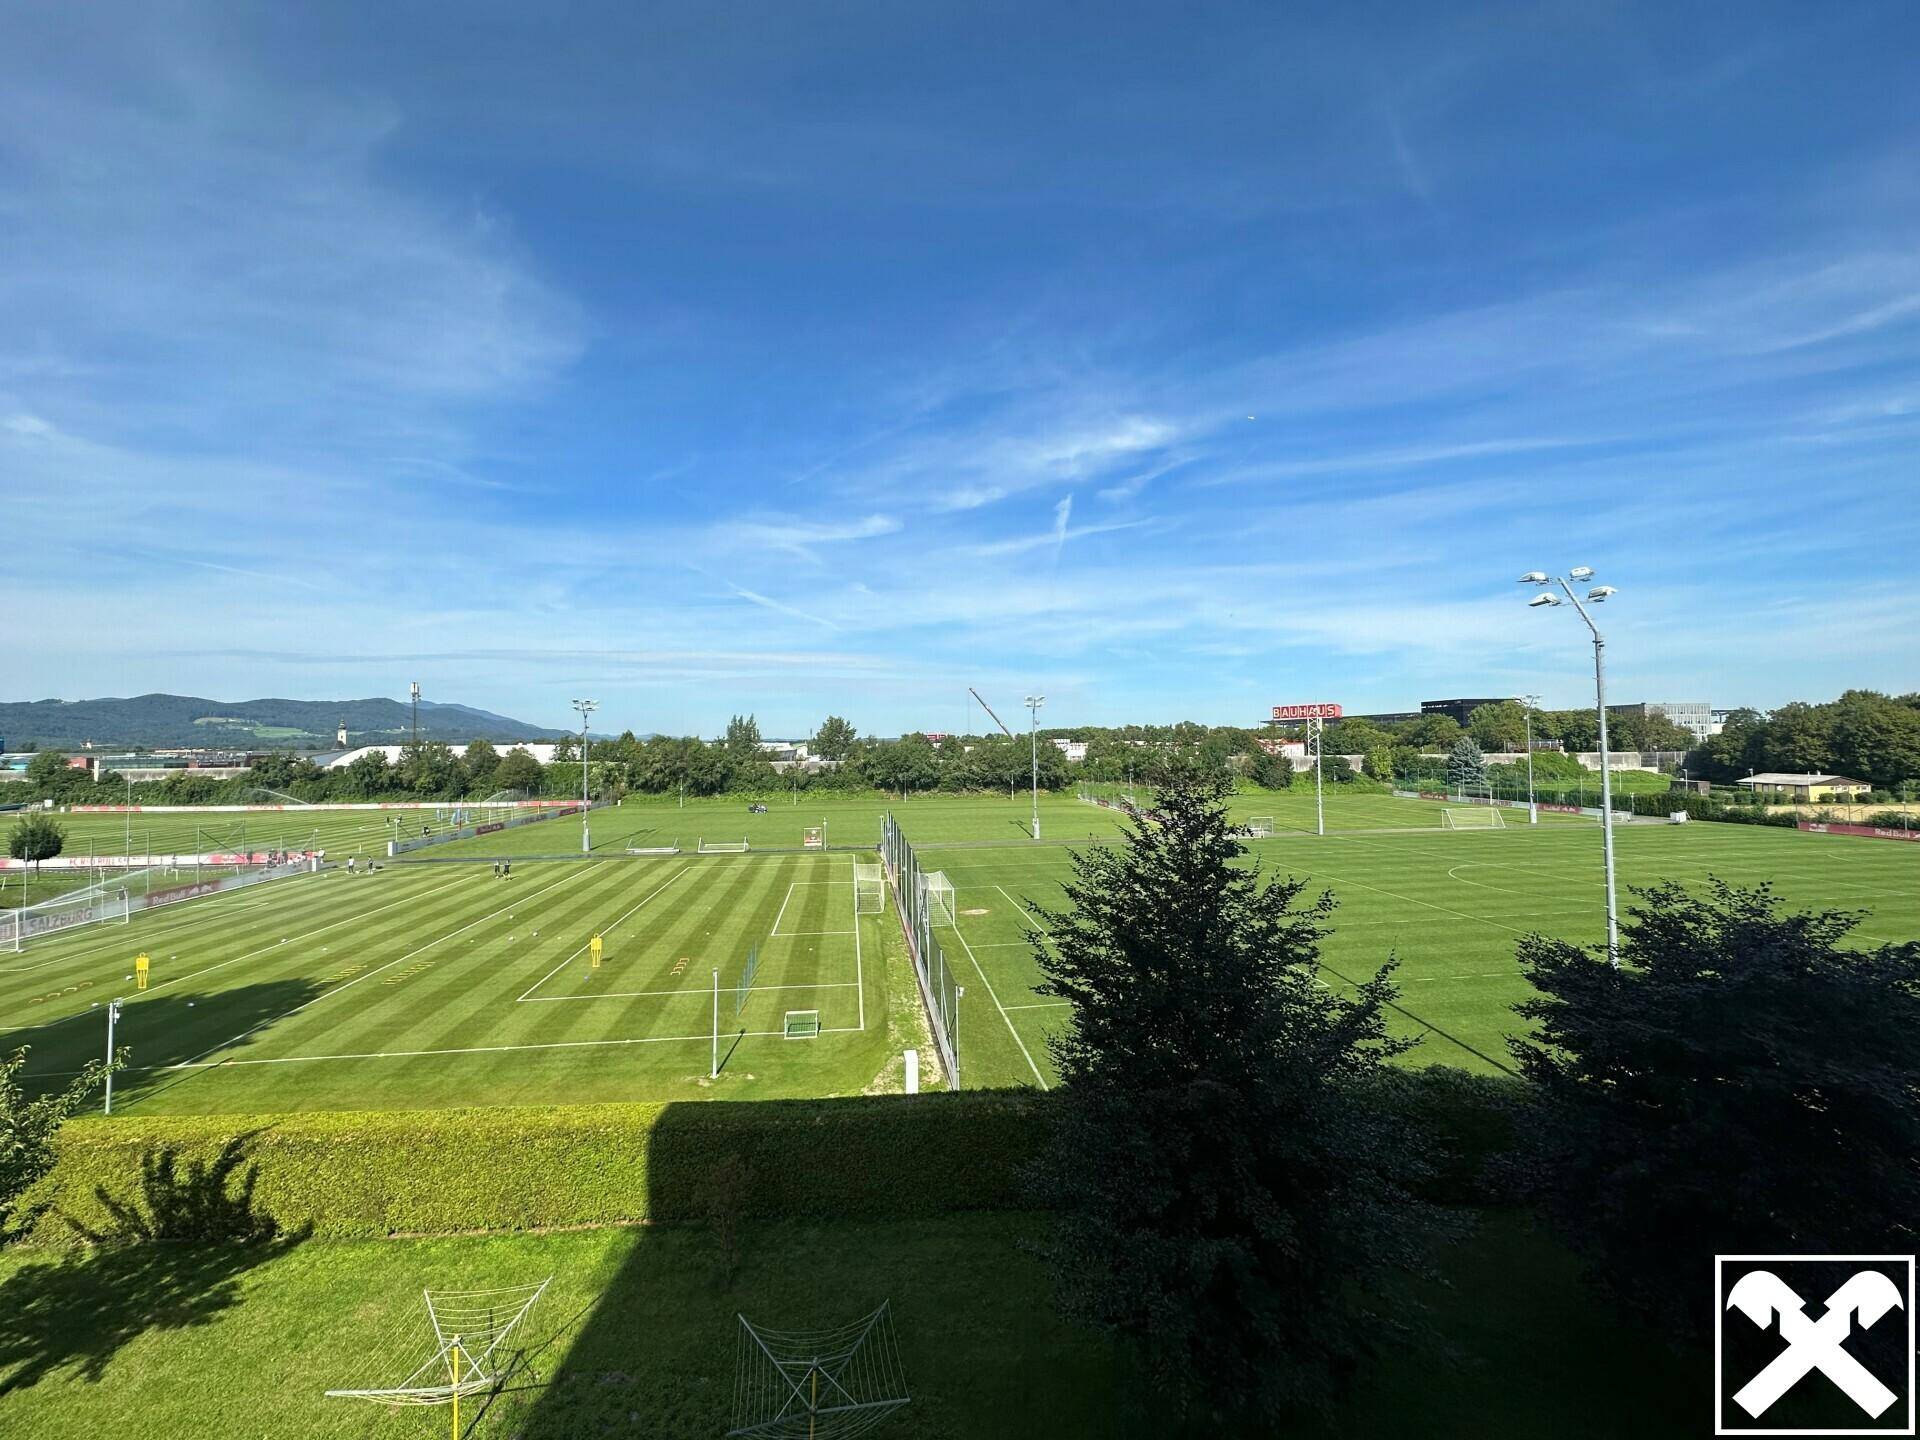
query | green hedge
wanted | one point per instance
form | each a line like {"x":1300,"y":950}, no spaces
{"x":353,"y":1175}
{"x":1703,"y":807}
{"x":372,"y":1174}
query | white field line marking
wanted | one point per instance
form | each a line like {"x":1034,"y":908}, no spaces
{"x":1026,"y":915}
{"x":138,"y":997}
{"x":859,"y":973}
{"x":700,"y":991}
{"x":705,"y":1037}
{"x":580,"y":950}
{"x":1003,"y":945}
{"x":1427,"y":904}
{"x":1005,"y":1018}
{"x":1041,"y":1005}
{"x":810,"y":934}
{"x":774,"y":933}
{"x":169,"y":922}
{"x":417,"y":950}
{"x":1513,"y":974}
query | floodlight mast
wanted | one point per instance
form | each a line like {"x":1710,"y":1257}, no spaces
{"x":1034,"y":702}
{"x":1533,"y":806}
{"x":1598,"y":593}
{"x":586,"y":708}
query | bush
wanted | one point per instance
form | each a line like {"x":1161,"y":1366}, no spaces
{"x":352,"y":1174}
{"x":1702,"y":807}
{"x":1896,"y":819}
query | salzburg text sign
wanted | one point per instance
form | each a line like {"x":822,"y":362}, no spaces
{"x":1306,"y":712}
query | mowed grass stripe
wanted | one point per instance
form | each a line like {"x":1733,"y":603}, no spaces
{"x":258,"y":947}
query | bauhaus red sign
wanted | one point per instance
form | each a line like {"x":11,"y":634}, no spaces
{"x":1306,"y":712}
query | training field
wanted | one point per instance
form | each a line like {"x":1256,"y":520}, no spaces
{"x":160,"y":832}
{"x":435,"y":983}
{"x":441,"y":984}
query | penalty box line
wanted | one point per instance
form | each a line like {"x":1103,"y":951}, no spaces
{"x":417,"y":950}
{"x":704,"y":1037}
{"x":580,"y":950}
{"x":700,"y":991}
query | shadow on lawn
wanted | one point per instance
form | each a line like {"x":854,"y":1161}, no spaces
{"x":74,"y":1314}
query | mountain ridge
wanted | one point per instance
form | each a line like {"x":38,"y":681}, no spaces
{"x":163,"y":719}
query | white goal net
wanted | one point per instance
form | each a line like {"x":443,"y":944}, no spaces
{"x":96,"y":905}
{"x":1260,"y":827}
{"x":940,"y":897}
{"x":1474,"y":817}
{"x":869,"y":889}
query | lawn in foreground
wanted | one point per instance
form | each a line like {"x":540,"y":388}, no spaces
{"x":438,"y":985}
{"x":636,"y":1338}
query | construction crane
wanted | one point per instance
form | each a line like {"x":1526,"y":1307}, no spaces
{"x":1003,"y":730}
{"x":995,"y":718}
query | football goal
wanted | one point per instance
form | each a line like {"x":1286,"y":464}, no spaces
{"x":103,"y":904}
{"x":817,"y":1384}
{"x":940,"y":897}
{"x":1260,"y":827}
{"x":470,"y":1330}
{"x":723,"y":847}
{"x":802,"y":1025}
{"x":1473,"y":817}
{"x":869,"y":889}
{"x":814,"y":837}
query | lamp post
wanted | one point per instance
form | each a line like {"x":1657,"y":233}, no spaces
{"x":113,"y":1015}
{"x":586,"y":708}
{"x":1595,"y":595}
{"x":1034,"y":702}
{"x":1533,"y":809}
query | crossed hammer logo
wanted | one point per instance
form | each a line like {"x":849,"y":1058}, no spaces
{"x":1814,"y":1344}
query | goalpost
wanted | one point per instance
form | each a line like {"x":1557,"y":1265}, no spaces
{"x":103,"y":904}
{"x":1477,"y":817}
{"x":940,"y":897}
{"x":869,"y":889}
{"x":814,"y":837}
{"x":722,"y":847}
{"x":1260,"y":827}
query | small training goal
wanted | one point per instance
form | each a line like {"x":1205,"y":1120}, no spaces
{"x":1260,"y":827}
{"x":814,"y":837}
{"x":723,"y":847}
{"x":1474,"y":817}
{"x":939,"y":898}
{"x":869,"y":889}
{"x":470,"y":1355}
{"x":817,"y":1384}
{"x":801,"y":1025}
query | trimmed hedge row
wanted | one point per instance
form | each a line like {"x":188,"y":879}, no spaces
{"x":357,"y":1175}
{"x":366,"y":1174}
{"x":1705,"y":807}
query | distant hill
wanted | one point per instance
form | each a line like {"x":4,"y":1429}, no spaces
{"x":181,"y":720}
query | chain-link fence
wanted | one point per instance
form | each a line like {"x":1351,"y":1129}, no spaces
{"x":937,"y":986}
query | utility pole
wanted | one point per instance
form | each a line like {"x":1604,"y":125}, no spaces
{"x":1034,"y":702}
{"x":586,"y":708}
{"x":1316,"y":727}
{"x":416,"y":717}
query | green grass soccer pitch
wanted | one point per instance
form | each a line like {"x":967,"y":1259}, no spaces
{"x":433,"y":983}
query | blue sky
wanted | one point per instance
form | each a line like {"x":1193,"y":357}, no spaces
{"x":1174,"y":361}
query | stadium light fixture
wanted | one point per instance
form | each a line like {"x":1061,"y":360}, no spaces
{"x":1034,"y":702}
{"x":1535,"y":577}
{"x":586,"y":708}
{"x":1582,"y":574}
